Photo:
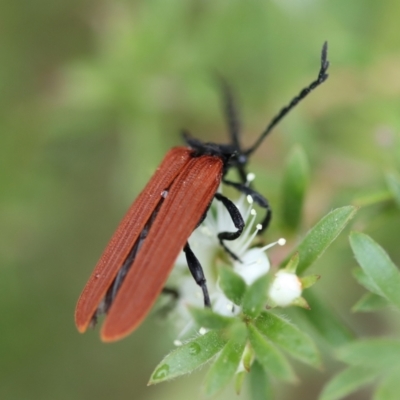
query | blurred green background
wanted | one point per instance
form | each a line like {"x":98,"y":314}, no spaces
{"x":92,"y":95}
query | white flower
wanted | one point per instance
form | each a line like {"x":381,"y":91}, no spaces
{"x":205,"y":245}
{"x":285,"y":289}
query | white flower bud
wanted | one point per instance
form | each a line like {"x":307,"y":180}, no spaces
{"x":285,"y":288}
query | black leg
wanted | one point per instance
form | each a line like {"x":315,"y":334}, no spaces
{"x":258,"y":198}
{"x":237,"y":221}
{"x":171,"y":292}
{"x":173,"y":295}
{"x":197,"y":272}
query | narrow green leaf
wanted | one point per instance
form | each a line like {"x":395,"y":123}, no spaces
{"x":206,"y":318}
{"x":289,"y":337}
{"x":256,"y":296}
{"x":188,"y":357}
{"x":363,"y":279}
{"x":393,"y":182}
{"x":389,"y":388}
{"x":260,"y":385}
{"x":239,"y":379}
{"x":373,"y":198}
{"x":321,"y":236}
{"x":377,"y":265}
{"x":378,"y":354}
{"x":225,"y":366}
{"x":325,"y":321}
{"x":346,"y":382}
{"x":232,"y":285}
{"x":248,"y":357}
{"x":293,"y":263}
{"x":309,"y":280}
{"x":295,"y":182}
{"x":370,"y":302}
{"x":269,"y":356}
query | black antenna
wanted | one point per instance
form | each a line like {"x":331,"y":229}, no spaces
{"x":231,"y":113}
{"x":233,"y":122}
{"x":322,"y":77}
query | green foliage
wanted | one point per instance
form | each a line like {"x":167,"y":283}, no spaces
{"x":380,"y":354}
{"x":373,"y":359}
{"x":289,"y":337}
{"x":370,"y":302}
{"x":226,"y":364}
{"x":92,"y":96}
{"x":256,"y":297}
{"x":378,"y":267}
{"x":326,"y":322}
{"x":269,"y":356}
{"x":260,"y":384}
{"x":346,"y":382}
{"x":255,"y":337}
{"x":295,"y":182}
{"x":188,"y":357}
{"x":376,"y":359}
{"x":232,"y":285}
{"x":322,"y":235}
{"x":204,"y":317}
{"x":363,"y":279}
{"x":393,"y":182}
{"x":389,"y":387}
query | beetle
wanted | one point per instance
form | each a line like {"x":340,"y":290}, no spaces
{"x":135,"y":265}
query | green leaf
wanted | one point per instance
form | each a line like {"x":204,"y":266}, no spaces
{"x":206,"y":318}
{"x":293,"y":263}
{"x":248,"y":357}
{"x":289,"y":337}
{"x":373,"y":198}
{"x":260,"y":385}
{"x":370,"y":302}
{"x":225,"y":366}
{"x":269,"y":356}
{"x":393,"y":182}
{"x":363,"y":279}
{"x":377,"y":354}
{"x":239,"y":379}
{"x":256,"y":296}
{"x":389,"y":388}
{"x":321,"y":236}
{"x":309,"y":280}
{"x":295,"y":182}
{"x":377,"y":265}
{"x":346,"y":382}
{"x":325,"y":321}
{"x":188,"y":357}
{"x":232,"y":285}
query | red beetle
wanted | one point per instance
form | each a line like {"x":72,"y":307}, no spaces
{"x":136,"y":263}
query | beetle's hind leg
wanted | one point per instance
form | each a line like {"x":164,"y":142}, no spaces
{"x":192,"y":261}
{"x":197,"y":273}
